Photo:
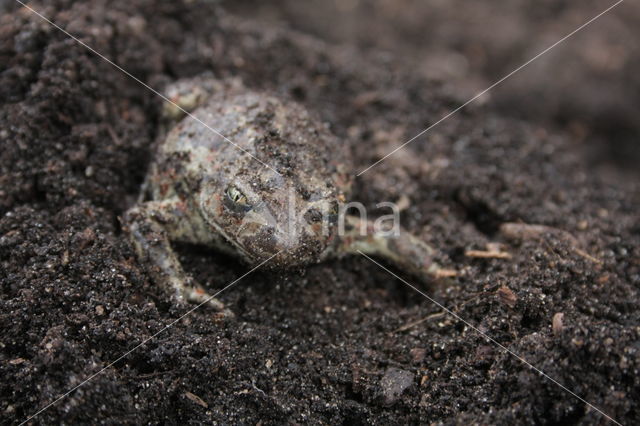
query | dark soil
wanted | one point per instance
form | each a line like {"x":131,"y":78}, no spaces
{"x":334,"y":343}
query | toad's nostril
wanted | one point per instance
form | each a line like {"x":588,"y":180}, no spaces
{"x":313,"y":216}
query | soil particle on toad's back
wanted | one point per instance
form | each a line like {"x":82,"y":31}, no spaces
{"x":325,"y":345}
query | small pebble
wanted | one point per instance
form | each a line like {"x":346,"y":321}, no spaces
{"x":394,"y":383}
{"x":557,"y":323}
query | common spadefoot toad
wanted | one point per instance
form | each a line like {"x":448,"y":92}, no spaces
{"x":273,"y":188}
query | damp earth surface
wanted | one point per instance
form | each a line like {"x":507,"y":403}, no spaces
{"x":537,"y":211}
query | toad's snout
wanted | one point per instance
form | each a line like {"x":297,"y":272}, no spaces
{"x":282,"y":249}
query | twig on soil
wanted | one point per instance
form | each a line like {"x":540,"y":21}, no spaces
{"x":438,"y":314}
{"x":113,"y":135}
{"x":488,"y":254}
{"x":586,"y":255}
{"x":196,"y":399}
{"x":525,"y":231}
{"x":417,"y":322}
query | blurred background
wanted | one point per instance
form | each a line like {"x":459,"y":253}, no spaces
{"x":589,"y":85}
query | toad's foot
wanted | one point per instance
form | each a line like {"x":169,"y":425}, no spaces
{"x":151,"y":225}
{"x":402,"y":249}
{"x":197,"y":295}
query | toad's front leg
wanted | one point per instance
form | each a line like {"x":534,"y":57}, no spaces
{"x":402,"y":249}
{"x":152,"y":226}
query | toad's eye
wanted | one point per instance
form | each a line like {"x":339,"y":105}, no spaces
{"x":237,"y":200}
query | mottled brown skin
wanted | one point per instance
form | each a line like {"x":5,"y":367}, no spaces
{"x":203,"y":189}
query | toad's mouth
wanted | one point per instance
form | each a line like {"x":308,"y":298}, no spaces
{"x":235,"y":245}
